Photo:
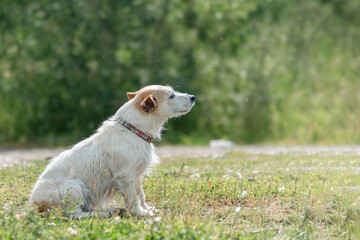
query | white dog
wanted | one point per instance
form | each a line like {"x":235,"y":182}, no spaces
{"x":115,"y":158}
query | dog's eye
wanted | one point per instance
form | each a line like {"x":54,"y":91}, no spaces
{"x":172,"y":96}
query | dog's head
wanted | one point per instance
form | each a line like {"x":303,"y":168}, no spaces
{"x":162,"y":101}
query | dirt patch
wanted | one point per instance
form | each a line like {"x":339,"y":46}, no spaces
{"x":22,"y":156}
{"x":13,"y":157}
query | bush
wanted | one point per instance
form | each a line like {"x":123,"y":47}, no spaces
{"x":261,"y":70}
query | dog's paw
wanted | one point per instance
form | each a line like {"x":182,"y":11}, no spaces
{"x":145,"y":212}
{"x":153,"y":209}
{"x":142,"y":212}
{"x":148,"y":213}
{"x":147,"y":207}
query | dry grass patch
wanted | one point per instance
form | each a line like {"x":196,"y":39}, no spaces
{"x":242,"y":196}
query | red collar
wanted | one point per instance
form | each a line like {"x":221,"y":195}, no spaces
{"x":133,"y":129}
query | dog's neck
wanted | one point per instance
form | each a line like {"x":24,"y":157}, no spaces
{"x":146,"y":122}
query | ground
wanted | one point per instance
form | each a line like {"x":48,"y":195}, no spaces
{"x":205,"y":193}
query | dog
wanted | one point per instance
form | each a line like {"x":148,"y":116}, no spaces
{"x":114,"y":159}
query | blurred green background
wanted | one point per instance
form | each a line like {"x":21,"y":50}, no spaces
{"x":263,"y":71}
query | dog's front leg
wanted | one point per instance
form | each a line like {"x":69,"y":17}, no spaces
{"x":127,"y":187}
{"x":141,"y":195}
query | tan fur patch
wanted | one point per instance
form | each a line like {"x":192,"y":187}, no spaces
{"x":131,"y":95}
{"x":43,"y":206}
{"x":158,"y":95}
{"x":148,"y":104}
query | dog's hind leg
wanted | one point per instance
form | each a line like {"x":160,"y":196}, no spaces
{"x":61,"y":192}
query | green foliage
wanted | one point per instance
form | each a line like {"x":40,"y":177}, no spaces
{"x":311,"y":197}
{"x":262,"y":70}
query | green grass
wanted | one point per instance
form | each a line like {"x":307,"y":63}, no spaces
{"x":239,"y":196}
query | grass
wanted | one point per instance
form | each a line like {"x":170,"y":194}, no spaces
{"x":238,"y":196}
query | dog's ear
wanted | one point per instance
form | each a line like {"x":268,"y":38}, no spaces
{"x":148,"y":104}
{"x":131,"y":95}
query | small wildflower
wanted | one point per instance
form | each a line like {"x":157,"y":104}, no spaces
{"x":244,"y":193}
{"x":196,"y":175}
{"x":226,"y":176}
{"x":20,"y":215}
{"x":72,"y":231}
{"x":8,"y":205}
{"x":237,"y":210}
{"x":281,"y":189}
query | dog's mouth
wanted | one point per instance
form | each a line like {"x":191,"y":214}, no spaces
{"x":179,"y":112}
{"x":185,"y":110}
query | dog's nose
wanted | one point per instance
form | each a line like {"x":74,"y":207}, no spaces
{"x":192,"y":98}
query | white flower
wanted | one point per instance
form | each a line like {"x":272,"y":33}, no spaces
{"x":244,"y":193}
{"x":281,"y":189}
{"x":8,"y":205}
{"x":237,"y":210}
{"x":157,"y":219}
{"x":196,"y":175}
{"x":226,"y":176}
{"x":72,"y":231}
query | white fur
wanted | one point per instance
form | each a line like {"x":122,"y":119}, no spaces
{"x":112,"y":160}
